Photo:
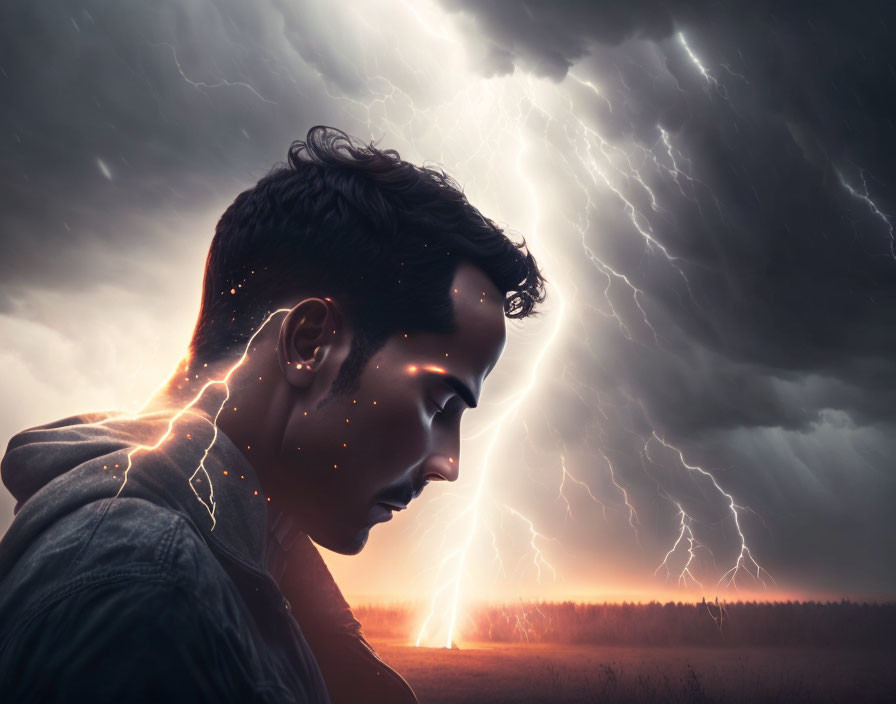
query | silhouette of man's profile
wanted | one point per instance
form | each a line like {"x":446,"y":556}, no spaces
{"x":352,"y":305}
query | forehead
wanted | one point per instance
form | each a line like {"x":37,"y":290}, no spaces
{"x":473,"y":348}
{"x":478,"y":312}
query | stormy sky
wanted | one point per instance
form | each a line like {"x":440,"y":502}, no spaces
{"x":708,"y":190}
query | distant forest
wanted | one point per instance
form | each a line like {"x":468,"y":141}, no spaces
{"x":809,"y":623}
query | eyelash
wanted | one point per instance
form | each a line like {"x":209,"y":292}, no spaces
{"x":439,"y":409}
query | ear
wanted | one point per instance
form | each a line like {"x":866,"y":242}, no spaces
{"x":308,"y":334}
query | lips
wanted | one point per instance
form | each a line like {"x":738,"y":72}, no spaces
{"x":380,"y":513}
{"x":384,"y":510}
{"x":393,"y":505}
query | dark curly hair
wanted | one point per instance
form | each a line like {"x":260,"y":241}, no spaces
{"x":381,"y":236}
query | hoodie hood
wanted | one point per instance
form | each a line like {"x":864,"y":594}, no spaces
{"x":180,"y":462}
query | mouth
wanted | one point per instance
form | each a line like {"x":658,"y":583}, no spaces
{"x":393,"y":505}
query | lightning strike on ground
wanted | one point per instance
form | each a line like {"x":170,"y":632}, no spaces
{"x":685,"y":535}
{"x":745,"y":561}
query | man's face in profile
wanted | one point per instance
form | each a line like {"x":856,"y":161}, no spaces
{"x":366,"y":454}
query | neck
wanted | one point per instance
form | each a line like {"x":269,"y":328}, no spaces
{"x":283,"y":531}
{"x":245,"y":402}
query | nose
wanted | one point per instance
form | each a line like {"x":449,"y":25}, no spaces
{"x":441,"y":468}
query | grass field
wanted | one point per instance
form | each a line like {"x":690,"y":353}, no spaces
{"x":810,"y":666}
{"x":565,"y":674}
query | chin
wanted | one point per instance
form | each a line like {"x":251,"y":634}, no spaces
{"x":344,"y":544}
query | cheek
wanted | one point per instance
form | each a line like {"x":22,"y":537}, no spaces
{"x":391,"y":435}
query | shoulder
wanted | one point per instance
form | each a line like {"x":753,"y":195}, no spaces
{"x":120,"y":598}
{"x":113,"y":541}
{"x":124,"y":640}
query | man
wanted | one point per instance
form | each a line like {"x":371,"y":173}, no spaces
{"x":353,"y":304}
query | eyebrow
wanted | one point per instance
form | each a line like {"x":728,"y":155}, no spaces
{"x":456,"y":385}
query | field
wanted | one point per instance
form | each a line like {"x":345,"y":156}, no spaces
{"x":839,"y":652}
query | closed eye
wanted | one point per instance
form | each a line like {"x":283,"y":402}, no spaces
{"x":437,"y":408}
{"x":445,"y":402}
{"x":454,"y":385}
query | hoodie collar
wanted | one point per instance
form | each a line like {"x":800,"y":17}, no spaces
{"x":184,"y":464}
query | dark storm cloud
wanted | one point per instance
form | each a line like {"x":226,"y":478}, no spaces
{"x":788,"y":273}
{"x":115,"y":112}
{"x":547,"y":38}
{"x":776,"y":362}
{"x":792,"y":287}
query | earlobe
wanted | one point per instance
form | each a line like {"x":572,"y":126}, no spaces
{"x":301,"y":373}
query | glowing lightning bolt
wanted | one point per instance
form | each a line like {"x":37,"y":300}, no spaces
{"x":538,"y":558}
{"x":866,"y":198}
{"x":685,"y":534}
{"x":219,"y":84}
{"x":708,"y":77}
{"x":745,"y":560}
{"x":632,"y":514}
{"x":562,"y":495}
{"x":225,"y":381}
{"x":503,"y":419}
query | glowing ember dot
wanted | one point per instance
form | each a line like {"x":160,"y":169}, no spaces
{"x":374,"y":403}
{"x":354,"y":400}
{"x":455,"y":290}
{"x":242,"y":476}
{"x":248,"y":447}
{"x":298,"y":365}
{"x":451,"y":460}
{"x":234,"y":408}
{"x":345,"y":444}
{"x":105,"y":467}
{"x":189,"y":437}
{"x":412,"y":369}
{"x":346,"y":420}
{"x":269,"y":498}
{"x":334,"y":466}
{"x":225,"y":472}
{"x":259,"y":378}
{"x":306,"y":413}
{"x":116,"y":466}
{"x":255,"y":492}
{"x":232,"y":291}
{"x":405,"y":334}
{"x":205,"y":365}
